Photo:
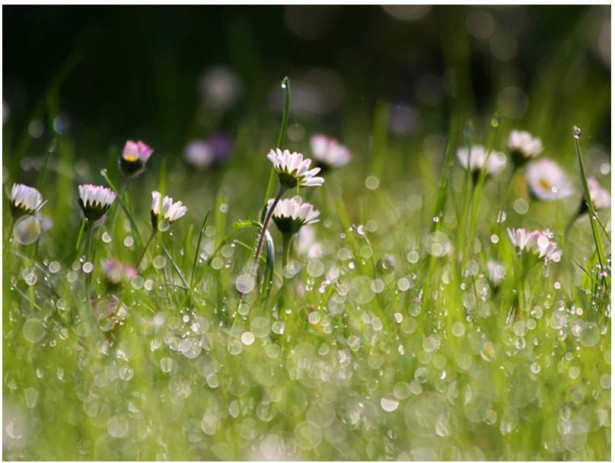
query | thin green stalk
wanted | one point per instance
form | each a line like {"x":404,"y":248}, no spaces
{"x":149,"y":241}
{"x":261,"y":236}
{"x":133,"y":224}
{"x":590,"y":205}
{"x":281,"y":139}
{"x":80,"y":235}
{"x":480,"y":183}
{"x":286,"y":239}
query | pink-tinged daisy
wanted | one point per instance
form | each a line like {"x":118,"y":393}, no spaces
{"x":536,"y":242}
{"x":328,"y":153}
{"x":294,"y":171}
{"x":547,"y":181}
{"x":523,"y":147}
{"x":134,"y":157}
{"x":24,"y":200}
{"x":95,"y":200}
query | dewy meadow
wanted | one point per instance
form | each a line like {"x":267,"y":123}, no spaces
{"x":293,"y":289}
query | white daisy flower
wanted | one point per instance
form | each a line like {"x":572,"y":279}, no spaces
{"x":95,"y":200}
{"x":199,"y":154}
{"x":293,"y":170}
{"x":523,"y":146}
{"x":328,"y":153}
{"x":536,"y":242}
{"x":25,"y":200}
{"x":547,"y":181}
{"x":478,"y":158}
{"x":601,"y":198}
{"x":291,"y":214}
{"x":166,"y":209}
{"x":134,"y":157}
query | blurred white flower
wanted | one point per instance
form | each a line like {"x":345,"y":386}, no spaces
{"x":166,"y":209}
{"x":294,"y":171}
{"x":291,"y":214}
{"x":199,"y":154}
{"x":523,"y":146}
{"x":535,"y":242}
{"x":478,"y":158}
{"x":328,"y":153}
{"x":601,"y":198}
{"x":95,"y":200}
{"x":496,"y":272}
{"x":547,"y":181}
{"x":24,"y":200}
{"x":221,"y":87}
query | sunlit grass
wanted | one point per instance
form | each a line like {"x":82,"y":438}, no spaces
{"x":383,"y":336}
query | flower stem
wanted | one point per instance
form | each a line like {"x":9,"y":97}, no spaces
{"x":80,"y":236}
{"x":261,"y":237}
{"x":149,"y":241}
{"x":286,"y":238}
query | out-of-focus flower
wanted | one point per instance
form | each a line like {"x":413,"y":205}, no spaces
{"x":547,"y":181}
{"x":328,"y":153}
{"x":199,"y":154}
{"x":306,"y":243}
{"x":166,"y":209}
{"x":221,"y":88}
{"x":221,"y":146}
{"x":294,"y":171}
{"x":523,"y":147}
{"x":291,"y":214}
{"x":601,"y":198}
{"x":536,"y":242}
{"x":6,"y":111}
{"x":24,"y":200}
{"x":134,"y":157}
{"x":478,"y":158}
{"x":95,"y":200}
{"x":203,"y":153}
{"x":496,"y":272}
{"x":115,"y":271}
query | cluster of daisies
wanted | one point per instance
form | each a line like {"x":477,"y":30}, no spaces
{"x":289,"y":215}
{"x":294,"y":171}
{"x":94,"y":200}
{"x":545,"y":180}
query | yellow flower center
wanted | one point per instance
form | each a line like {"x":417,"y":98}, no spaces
{"x":131,"y":157}
{"x":544,"y":183}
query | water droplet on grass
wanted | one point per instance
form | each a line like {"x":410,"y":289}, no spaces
{"x":590,"y":335}
{"x":159,"y":261}
{"x":33,"y":330}
{"x":388,"y":404}
{"x":54,"y":267}
{"x":117,"y":427}
{"x":30,"y":396}
{"x":26,"y":230}
{"x":247,"y":338}
{"x":245,"y":283}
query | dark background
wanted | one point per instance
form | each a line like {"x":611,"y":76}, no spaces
{"x":135,"y":70}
